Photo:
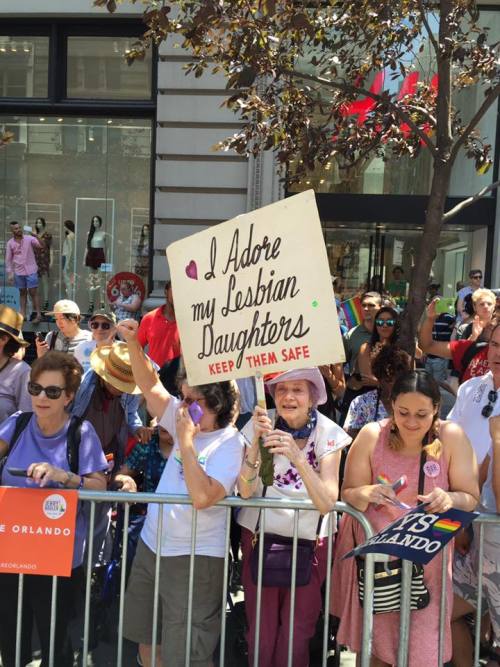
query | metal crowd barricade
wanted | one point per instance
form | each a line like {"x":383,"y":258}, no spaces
{"x":262,"y":503}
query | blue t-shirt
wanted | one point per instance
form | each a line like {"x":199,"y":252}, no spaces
{"x":33,"y":446}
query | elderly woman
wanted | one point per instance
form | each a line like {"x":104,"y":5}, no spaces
{"x":405,"y":444}
{"x":14,"y":373}
{"x":306,"y":448}
{"x":43,"y":449}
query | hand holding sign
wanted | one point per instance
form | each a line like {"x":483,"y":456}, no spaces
{"x":127,"y":329}
{"x":437,"y":501}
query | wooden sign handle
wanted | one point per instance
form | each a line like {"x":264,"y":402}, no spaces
{"x":267,"y":465}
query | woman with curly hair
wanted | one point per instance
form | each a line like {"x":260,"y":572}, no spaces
{"x":388,"y":363}
{"x":385,"y":332}
{"x":204,"y":464}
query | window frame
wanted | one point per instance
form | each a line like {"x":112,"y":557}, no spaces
{"x":56,"y":101}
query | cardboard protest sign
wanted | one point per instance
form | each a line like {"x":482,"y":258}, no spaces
{"x":255,"y":294}
{"x":37,"y":531}
{"x":417,"y":535}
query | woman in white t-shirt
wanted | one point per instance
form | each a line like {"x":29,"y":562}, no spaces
{"x":306,"y":448}
{"x":204,"y":464}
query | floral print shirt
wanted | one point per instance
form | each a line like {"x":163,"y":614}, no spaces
{"x":364,"y":410}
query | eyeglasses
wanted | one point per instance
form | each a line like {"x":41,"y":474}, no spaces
{"x":188,"y":400}
{"x":477,"y":276}
{"x":51,"y":391}
{"x":385,"y":323}
{"x":102,"y":325}
{"x":488,"y":409}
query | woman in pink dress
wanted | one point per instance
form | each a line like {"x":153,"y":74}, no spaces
{"x":390,"y":449}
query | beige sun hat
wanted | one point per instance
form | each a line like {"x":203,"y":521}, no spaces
{"x":65,"y":307}
{"x":112,"y":364}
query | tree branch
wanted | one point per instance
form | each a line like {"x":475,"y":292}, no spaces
{"x":488,"y":101}
{"x":346,"y":87}
{"x":469,"y":201}
{"x":423,"y":16}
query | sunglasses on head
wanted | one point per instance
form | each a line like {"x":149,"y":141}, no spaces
{"x":51,"y":391}
{"x":102,"y":325}
{"x":488,"y":409}
{"x":385,"y":323}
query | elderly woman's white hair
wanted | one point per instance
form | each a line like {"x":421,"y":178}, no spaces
{"x":313,"y":377}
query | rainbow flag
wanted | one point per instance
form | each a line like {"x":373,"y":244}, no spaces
{"x":445,"y":526}
{"x":352,"y":311}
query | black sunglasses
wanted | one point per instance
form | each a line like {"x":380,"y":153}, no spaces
{"x":477,"y":275}
{"x":51,"y":391}
{"x":103,"y":325}
{"x":488,"y":409}
{"x":385,"y":323}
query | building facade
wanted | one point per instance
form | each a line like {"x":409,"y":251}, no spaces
{"x":126,"y":155}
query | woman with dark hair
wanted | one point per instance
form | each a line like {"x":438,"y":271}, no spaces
{"x":14,"y":373}
{"x":306,"y":448}
{"x":204,"y":464}
{"x":41,"y":448}
{"x":388,"y":363}
{"x":385,"y":332}
{"x":441,"y":470}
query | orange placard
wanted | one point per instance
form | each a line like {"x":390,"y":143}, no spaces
{"x":37,"y":531}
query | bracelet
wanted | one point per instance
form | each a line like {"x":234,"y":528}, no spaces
{"x":254,"y":466}
{"x":248,"y":481}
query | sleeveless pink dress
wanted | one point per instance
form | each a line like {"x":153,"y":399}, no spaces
{"x":424,"y":623}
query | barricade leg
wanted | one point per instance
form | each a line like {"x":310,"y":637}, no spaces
{"x":222,"y":656}
{"x":404,"y":622}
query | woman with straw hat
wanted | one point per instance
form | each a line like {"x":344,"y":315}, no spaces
{"x":14,"y":374}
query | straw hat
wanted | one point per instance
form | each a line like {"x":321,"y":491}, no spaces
{"x":112,"y":364}
{"x":11,"y":322}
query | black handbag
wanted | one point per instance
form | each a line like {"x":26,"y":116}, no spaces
{"x":387,"y":577}
{"x":277,"y":558}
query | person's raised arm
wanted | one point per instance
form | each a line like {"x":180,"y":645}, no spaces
{"x":157,"y":397}
{"x":425,"y":340}
{"x":357,"y":489}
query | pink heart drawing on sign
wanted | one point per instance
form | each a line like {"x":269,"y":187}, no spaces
{"x":192,"y":270}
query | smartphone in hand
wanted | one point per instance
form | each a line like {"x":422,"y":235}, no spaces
{"x":195,"y":412}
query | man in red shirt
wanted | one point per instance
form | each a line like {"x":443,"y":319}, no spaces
{"x":158,"y":330}
{"x":469,"y":361}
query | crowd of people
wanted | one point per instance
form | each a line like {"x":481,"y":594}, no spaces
{"x":106,"y":404}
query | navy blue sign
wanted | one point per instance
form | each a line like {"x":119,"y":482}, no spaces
{"x":417,"y":535}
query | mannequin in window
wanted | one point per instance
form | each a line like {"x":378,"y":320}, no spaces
{"x":94,"y":257}
{"x":68,"y":259}
{"x":142,"y":254}
{"x":43,"y":256}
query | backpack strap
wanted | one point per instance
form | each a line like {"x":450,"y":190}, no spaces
{"x":469,"y":355}
{"x":53,"y":339}
{"x":22,"y":421}
{"x":73,"y":439}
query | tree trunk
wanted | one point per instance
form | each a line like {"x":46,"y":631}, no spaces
{"x":426,"y":254}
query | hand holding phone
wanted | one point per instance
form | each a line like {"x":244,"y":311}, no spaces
{"x":18,"y":472}
{"x":40,"y":336}
{"x":195,"y":412}
{"x":445,"y":306}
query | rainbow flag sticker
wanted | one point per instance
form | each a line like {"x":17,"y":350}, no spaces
{"x":383,"y":479}
{"x":446,"y":526}
{"x":352,"y":311}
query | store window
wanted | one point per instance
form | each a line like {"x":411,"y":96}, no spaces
{"x":98,"y":69}
{"x":364,"y":257}
{"x":24,"y":66}
{"x":92,"y":172}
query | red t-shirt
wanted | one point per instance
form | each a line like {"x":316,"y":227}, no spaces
{"x":161,"y":335}
{"x":477,"y":366}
